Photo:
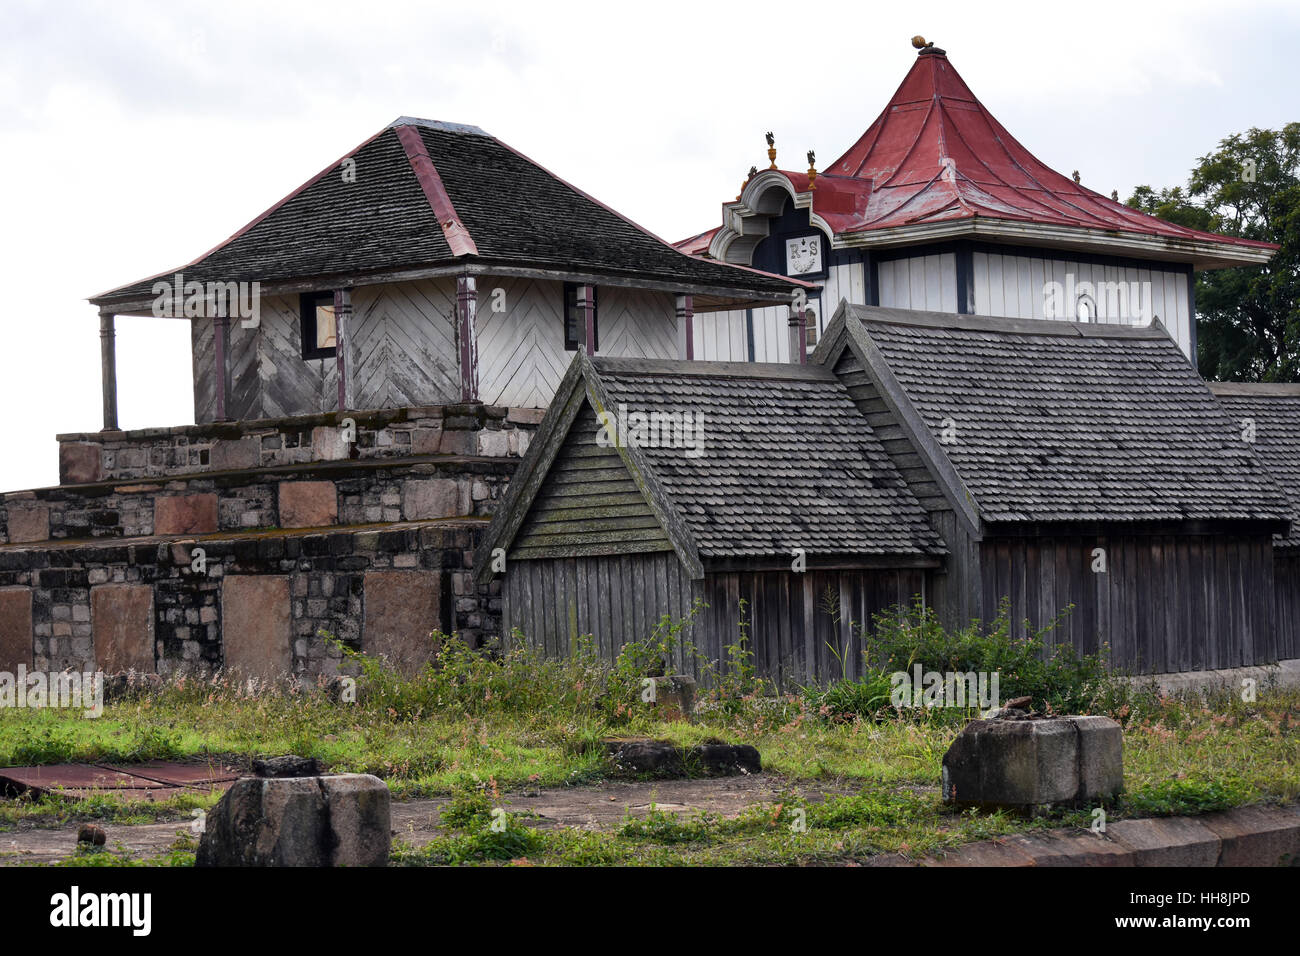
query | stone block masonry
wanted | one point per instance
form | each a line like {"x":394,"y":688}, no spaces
{"x":255,"y":601}
{"x":320,"y":494}
{"x":467,"y":430}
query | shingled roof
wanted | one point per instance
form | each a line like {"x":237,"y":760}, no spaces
{"x":1059,"y":422}
{"x":422,"y":194}
{"x":1274,"y":411}
{"x":788,"y":462}
{"x":935,"y":164}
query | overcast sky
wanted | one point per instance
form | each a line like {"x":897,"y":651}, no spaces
{"x":136,"y":135}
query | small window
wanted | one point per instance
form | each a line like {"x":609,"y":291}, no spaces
{"x":810,"y":328}
{"x":319,"y":326}
{"x":575,"y":327}
{"x":1086,"y":309}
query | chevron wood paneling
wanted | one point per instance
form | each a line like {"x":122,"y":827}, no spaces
{"x":404,"y":348}
{"x":521,"y":349}
{"x":635,"y":323}
{"x":404,"y":344}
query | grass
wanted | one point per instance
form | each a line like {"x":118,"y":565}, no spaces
{"x":475,"y":728}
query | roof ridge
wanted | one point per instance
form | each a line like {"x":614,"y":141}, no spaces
{"x":426,"y":172}
{"x":1003,"y":324}
{"x":696,"y":368}
{"x":466,"y":128}
{"x":1255,"y":389}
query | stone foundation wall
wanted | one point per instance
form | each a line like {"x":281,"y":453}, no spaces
{"x":305,"y":496}
{"x":466,"y":430}
{"x":253,"y":604}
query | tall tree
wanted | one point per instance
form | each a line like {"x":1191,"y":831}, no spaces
{"x":1248,"y":327}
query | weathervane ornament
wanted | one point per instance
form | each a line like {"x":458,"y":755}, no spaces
{"x":771,"y":149}
{"x":812,"y":169}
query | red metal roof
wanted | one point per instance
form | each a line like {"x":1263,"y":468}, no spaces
{"x":935,"y":155}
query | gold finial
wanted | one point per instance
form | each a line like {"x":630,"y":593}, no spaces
{"x":924,"y":46}
{"x":812,"y":169}
{"x":771,"y":149}
{"x":1075,"y":176}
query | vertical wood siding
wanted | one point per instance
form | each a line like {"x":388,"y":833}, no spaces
{"x":1286,"y":579}
{"x":1166,"y":603}
{"x":799,"y":626}
{"x":1013,"y":286}
{"x":928,"y":283}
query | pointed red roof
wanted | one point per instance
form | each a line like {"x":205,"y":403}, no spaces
{"x":936,"y":156}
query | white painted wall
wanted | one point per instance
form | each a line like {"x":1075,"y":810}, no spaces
{"x":928,"y":283}
{"x":1015,"y":286}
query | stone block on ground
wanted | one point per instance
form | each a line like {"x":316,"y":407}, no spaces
{"x":662,"y":758}
{"x":122,"y":621}
{"x":343,"y":820}
{"x":1026,"y":763}
{"x":185,"y":514}
{"x":308,"y":504}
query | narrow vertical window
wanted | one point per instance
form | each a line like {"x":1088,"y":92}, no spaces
{"x":575,"y":326}
{"x":319,"y":324}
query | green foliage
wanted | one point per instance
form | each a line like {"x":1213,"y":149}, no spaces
{"x":1249,"y":317}
{"x":1057,"y":678}
{"x":1179,"y":797}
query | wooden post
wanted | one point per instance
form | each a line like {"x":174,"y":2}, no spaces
{"x":798,"y":336}
{"x":466,"y":307}
{"x":343,"y":345}
{"x":587,"y":308}
{"x":108,"y":369}
{"x":686,"y":315}
{"x":221,"y":370}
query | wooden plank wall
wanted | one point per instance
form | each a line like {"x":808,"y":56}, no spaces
{"x":404,"y":353}
{"x":614,"y":598}
{"x":1013,"y":286}
{"x":955,"y":592}
{"x":1166,"y":603}
{"x":404,"y":345}
{"x":928,"y":283}
{"x":799,"y":625}
{"x":1286,"y":580}
{"x":589,"y":504}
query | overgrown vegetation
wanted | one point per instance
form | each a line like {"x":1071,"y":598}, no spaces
{"x":479,"y":726}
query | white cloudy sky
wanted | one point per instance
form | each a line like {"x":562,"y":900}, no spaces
{"x":134,"y":135}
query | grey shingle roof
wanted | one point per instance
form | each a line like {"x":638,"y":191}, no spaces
{"x":514,"y":211}
{"x":1057,"y":421}
{"x":1275,"y":412}
{"x":788,"y":461}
